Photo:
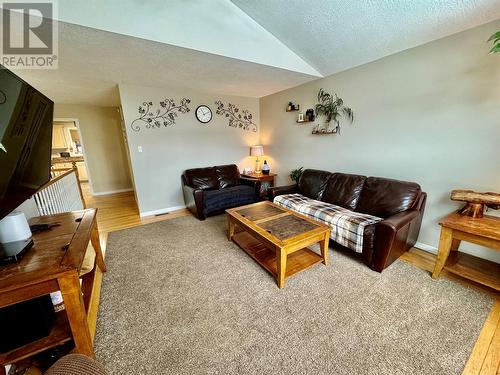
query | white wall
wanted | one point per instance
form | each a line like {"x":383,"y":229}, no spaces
{"x":102,"y":138}
{"x":430,"y":114}
{"x":168,"y":151}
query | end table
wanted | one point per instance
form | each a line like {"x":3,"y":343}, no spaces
{"x":483,"y":231}
{"x":267,"y":180}
{"x":52,"y":264}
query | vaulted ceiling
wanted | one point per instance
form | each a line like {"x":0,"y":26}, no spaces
{"x":334,"y":35}
{"x":238,"y":47}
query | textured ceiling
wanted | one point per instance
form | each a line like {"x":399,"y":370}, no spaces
{"x":229,"y":52}
{"x":334,"y":35}
{"x":93,"y":62}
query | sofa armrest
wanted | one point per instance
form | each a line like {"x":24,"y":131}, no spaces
{"x":193,"y":198}
{"x":273,"y":192}
{"x":256,"y":184}
{"x":399,"y":220}
{"x":392,"y":237}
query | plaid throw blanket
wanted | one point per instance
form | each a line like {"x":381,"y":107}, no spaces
{"x":347,"y":226}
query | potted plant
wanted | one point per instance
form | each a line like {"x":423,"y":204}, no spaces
{"x":495,"y":38}
{"x":333,"y":108}
{"x":295,"y":174}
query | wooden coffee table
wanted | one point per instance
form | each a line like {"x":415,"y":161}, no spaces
{"x":277,"y":238}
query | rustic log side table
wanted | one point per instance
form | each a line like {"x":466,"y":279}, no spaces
{"x":52,"y":264}
{"x":483,"y":231}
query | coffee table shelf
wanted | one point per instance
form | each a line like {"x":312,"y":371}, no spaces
{"x":297,"y":261}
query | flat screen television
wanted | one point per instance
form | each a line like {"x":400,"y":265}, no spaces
{"x":26,"y":117}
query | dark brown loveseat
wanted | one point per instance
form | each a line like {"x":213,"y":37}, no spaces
{"x":397,"y":205}
{"x":209,"y":191}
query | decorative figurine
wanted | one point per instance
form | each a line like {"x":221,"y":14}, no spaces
{"x":310,"y":115}
{"x":265,"y":168}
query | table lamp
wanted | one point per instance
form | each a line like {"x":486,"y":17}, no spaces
{"x":257,"y":151}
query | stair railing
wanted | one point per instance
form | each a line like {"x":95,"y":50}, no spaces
{"x":62,"y":193}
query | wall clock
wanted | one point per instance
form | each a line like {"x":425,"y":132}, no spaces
{"x":203,"y":114}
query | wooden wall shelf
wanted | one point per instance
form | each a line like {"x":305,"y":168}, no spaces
{"x":296,"y":107}
{"x":324,"y":133}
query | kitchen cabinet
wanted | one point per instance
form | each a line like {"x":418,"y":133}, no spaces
{"x":59,"y":139}
{"x":82,"y":171}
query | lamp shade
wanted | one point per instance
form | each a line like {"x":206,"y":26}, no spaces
{"x":256,"y":150}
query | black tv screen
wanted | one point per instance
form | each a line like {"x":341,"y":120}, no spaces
{"x":26,"y":117}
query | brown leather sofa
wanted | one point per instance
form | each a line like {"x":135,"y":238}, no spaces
{"x":399,"y":203}
{"x":209,"y":191}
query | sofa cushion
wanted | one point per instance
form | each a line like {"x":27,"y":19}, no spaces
{"x":344,"y":190}
{"x":384,"y":197}
{"x":228,"y":175}
{"x":292,"y":201}
{"x":218,"y":200}
{"x":202,"y":178}
{"x":312,"y":183}
{"x":348,"y":227}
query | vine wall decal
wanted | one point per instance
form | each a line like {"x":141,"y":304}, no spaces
{"x":165,"y":115}
{"x":237,"y":119}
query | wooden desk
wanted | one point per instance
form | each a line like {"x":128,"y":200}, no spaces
{"x":52,"y":264}
{"x":483,"y":231}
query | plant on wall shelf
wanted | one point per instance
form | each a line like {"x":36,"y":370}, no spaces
{"x":333,"y":109}
{"x":495,"y":39}
{"x":295,"y":174}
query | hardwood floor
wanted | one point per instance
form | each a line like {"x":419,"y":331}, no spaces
{"x":119,"y":211}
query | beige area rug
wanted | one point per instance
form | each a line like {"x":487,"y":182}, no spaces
{"x":178,"y":298}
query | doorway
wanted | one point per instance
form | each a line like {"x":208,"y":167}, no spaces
{"x":68,"y":151}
